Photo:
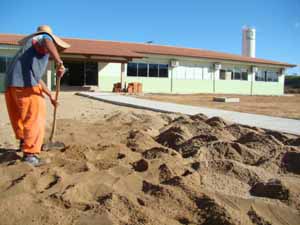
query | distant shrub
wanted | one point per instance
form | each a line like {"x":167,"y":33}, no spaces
{"x":292,"y":82}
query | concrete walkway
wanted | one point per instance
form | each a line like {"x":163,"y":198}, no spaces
{"x":268,"y":122}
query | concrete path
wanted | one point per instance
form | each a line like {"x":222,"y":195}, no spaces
{"x":268,"y":122}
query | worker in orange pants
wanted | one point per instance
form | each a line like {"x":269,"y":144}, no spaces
{"x":25,"y":89}
{"x":27,"y":111}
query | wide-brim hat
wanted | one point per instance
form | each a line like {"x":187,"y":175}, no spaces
{"x":45,"y":29}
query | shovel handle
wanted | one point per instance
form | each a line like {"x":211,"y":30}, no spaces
{"x":55,"y":108}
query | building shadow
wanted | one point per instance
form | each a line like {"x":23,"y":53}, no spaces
{"x":8,"y":155}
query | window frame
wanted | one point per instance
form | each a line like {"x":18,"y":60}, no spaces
{"x":135,"y":69}
{"x":159,"y":65}
{"x":147,"y":69}
{"x":167,"y":70}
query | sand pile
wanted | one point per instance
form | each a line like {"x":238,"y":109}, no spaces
{"x":134,"y":168}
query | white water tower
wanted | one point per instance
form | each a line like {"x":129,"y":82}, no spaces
{"x":248,"y":45}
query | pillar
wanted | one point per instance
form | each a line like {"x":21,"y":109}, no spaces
{"x":122,"y":76}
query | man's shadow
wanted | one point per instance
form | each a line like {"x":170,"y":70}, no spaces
{"x":8,"y":155}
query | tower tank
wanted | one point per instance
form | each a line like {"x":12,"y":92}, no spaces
{"x":248,"y":42}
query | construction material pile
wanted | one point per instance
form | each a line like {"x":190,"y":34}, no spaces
{"x":134,"y":168}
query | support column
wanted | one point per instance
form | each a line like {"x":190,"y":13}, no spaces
{"x":216,"y":75}
{"x":49,"y":75}
{"x":252,"y":78}
{"x":122,"y":76}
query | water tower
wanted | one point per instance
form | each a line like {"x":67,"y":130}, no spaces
{"x":248,"y":44}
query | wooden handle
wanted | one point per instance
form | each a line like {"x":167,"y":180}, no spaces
{"x":55,"y":108}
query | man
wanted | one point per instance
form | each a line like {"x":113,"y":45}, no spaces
{"x":25,"y":89}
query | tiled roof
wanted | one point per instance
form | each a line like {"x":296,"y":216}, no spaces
{"x":136,"y":50}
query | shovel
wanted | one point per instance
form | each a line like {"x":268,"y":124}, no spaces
{"x":54,"y":145}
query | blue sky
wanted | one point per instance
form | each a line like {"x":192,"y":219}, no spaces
{"x":213,"y":25}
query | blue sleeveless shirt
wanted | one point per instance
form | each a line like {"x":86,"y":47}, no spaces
{"x":29,"y":64}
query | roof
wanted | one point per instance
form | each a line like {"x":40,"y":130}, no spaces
{"x":137,"y":50}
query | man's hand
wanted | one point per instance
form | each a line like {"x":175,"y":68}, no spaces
{"x":53,"y":102}
{"x":60,"y":71}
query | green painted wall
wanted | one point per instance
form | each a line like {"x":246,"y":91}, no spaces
{"x":158,"y":85}
{"x":163,"y":85}
{"x":233,"y":87}
{"x":192,"y":86}
{"x":268,"y":88}
{"x":106,"y":83}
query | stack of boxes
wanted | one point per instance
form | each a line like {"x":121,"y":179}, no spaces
{"x":117,"y":87}
{"x":135,"y":88}
{"x":132,"y":88}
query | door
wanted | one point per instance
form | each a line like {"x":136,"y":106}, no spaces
{"x":91,"y":73}
{"x":80,"y":74}
{"x":75,"y":74}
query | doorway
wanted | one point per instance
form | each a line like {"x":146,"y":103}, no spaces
{"x":80,"y":74}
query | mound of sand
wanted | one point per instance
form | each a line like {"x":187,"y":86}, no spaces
{"x":156,"y":169}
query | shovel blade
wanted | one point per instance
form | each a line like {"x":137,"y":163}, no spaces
{"x":53,"y":146}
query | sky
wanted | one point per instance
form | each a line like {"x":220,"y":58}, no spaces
{"x":212,"y":25}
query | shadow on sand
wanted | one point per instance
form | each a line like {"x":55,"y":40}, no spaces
{"x":8,"y":155}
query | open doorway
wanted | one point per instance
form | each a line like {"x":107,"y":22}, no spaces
{"x":80,"y":74}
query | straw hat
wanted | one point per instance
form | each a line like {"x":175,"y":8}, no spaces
{"x":47,"y":29}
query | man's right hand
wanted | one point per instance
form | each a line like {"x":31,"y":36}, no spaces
{"x":60,"y":71}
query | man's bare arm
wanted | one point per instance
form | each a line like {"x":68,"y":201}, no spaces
{"x":60,"y":69}
{"x":47,"y":92}
{"x":52,"y":50}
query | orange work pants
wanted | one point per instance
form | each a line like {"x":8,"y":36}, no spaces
{"x":27,"y":112}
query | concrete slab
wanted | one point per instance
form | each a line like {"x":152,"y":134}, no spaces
{"x":267,"y":122}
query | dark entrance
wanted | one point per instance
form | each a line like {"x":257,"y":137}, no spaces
{"x":80,"y":74}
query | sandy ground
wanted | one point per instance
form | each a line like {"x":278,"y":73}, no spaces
{"x":125,"y":166}
{"x":281,"y":106}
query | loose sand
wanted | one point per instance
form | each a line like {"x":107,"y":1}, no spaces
{"x":126,"y":166}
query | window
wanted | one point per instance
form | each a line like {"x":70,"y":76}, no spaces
{"x":153,"y":70}
{"x":147,"y":70}
{"x":2,"y":64}
{"x":9,"y":60}
{"x":179,"y":73}
{"x":163,"y":70}
{"x":260,"y":75}
{"x":244,"y":75}
{"x":198,"y":73}
{"x":132,"y":69}
{"x":266,"y":75}
{"x":222,"y":74}
{"x":272,"y":76}
{"x":142,"y":70}
{"x":226,"y":74}
{"x":206,"y":73}
{"x":237,"y":75}
{"x":189,"y":73}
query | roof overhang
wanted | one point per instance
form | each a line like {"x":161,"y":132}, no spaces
{"x":124,"y":51}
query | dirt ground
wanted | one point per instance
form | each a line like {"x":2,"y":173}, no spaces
{"x":124,"y":166}
{"x":280,"y":106}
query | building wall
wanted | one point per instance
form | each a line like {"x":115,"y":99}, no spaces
{"x":186,"y":78}
{"x":192,"y":76}
{"x":6,"y":51}
{"x":109,"y":73}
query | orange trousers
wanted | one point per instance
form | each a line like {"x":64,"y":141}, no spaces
{"x":27,"y":112}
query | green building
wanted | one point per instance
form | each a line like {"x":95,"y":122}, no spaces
{"x":161,"y":69}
